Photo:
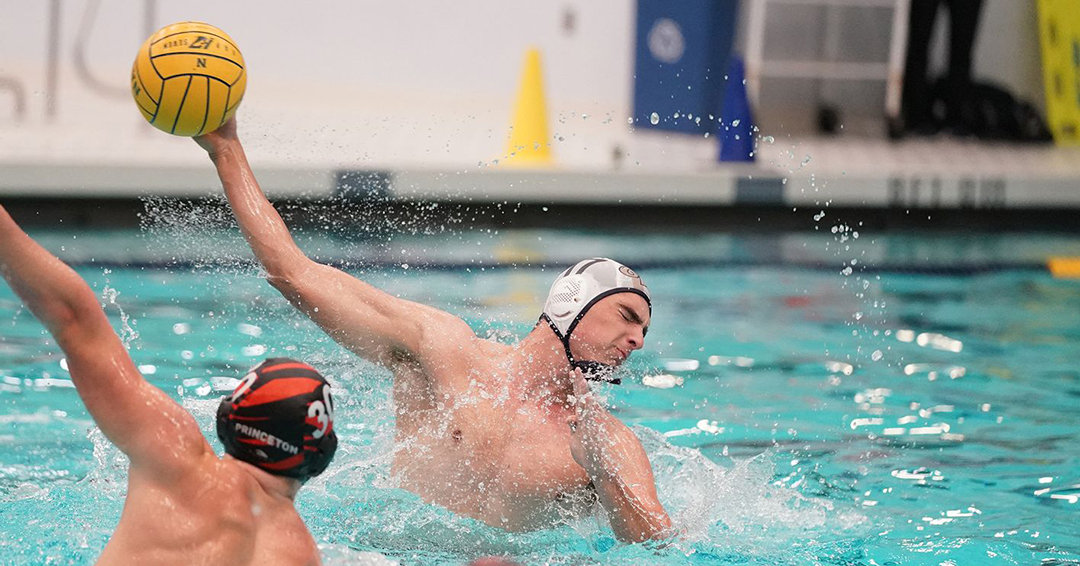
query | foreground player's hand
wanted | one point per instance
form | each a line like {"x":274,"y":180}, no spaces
{"x":589,"y":429}
{"x":217,"y":140}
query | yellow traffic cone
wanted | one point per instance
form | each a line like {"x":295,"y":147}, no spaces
{"x":529,"y":143}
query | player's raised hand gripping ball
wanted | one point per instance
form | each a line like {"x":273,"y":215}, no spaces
{"x":188,"y":78}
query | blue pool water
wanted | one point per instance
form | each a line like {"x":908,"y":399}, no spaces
{"x":799,"y":407}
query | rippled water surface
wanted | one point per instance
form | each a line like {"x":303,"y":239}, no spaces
{"x":852,"y":412}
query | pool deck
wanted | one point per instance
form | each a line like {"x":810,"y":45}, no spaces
{"x":645,"y":169}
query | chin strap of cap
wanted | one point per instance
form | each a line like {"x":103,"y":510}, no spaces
{"x":593,"y":371}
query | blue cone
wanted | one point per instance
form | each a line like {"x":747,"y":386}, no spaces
{"x":735,"y":130}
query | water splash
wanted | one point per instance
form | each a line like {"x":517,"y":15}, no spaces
{"x":127,"y":333}
{"x":709,"y":503}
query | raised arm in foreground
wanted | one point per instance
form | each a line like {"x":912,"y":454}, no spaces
{"x":618,"y":467}
{"x":373,"y":324}
{"x":139,"y":418}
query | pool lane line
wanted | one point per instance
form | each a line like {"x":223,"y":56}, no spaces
{"x":1064,"y":267}
{"x":639,"y":265}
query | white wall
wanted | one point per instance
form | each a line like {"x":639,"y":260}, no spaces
{"x":333,"y":81}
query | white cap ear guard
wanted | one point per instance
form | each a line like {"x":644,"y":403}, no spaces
{"x":578,"y":288}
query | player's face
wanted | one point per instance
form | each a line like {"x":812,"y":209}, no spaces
{"x":612,"y":329}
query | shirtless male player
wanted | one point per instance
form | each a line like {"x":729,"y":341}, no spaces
{"x":506,"y":434}
{"x":184,"y":504}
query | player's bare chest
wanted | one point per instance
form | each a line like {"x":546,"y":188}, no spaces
{"x":537,"y":454}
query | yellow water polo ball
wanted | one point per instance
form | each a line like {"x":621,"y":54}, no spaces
{"x":188,"y":78}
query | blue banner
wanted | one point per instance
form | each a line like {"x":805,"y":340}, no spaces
{"x":682,"y":54}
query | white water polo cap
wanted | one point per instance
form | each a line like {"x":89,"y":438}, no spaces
{"x":576,"y":290}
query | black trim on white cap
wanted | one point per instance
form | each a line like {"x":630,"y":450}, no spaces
{"x":594,"y":300}
{"x":594,"y":371}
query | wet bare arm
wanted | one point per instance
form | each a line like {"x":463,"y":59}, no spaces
{"x":375,"y":325}
{"x":619,"y":469}
{"x":140,"y":419}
